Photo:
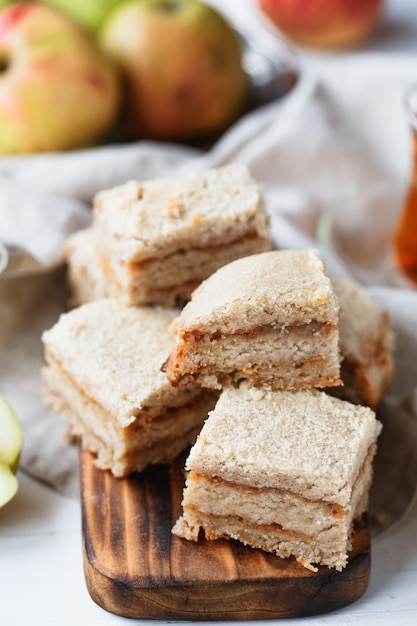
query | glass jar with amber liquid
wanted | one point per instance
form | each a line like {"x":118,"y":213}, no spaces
{"x":405,"y":240}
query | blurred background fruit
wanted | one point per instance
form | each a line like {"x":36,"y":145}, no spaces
{"x":74,"y":73}
{"x":182,"y":67}
{"x":90,"y":13}
{"x":58,"y":90}
{"x":10,"y":448}
{"x":325,"y":24}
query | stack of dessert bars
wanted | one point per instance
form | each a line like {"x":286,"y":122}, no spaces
{"x":268,"y":368}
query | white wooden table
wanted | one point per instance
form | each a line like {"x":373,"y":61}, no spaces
{"x":41,"y":572}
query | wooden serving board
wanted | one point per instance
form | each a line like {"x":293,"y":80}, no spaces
{"x":135,"y":567}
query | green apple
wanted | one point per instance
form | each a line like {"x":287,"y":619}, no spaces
{"x":10,"y":447}
{"x":58,"y":89}
{"x":90,"y":13}
{"x":182,"y":66}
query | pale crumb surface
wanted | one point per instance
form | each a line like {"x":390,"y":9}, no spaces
{"x":85,"y":277}
{"x":138,"y":220}
{"x":362,"y":321}
{"x":304,"y":441}
{"x":366,"y":343}
{"x":114,"y":353}
{"x":280,"y":287}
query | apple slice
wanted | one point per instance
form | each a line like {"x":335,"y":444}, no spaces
{"x":10,"y":447}
{"x":8,"y":484}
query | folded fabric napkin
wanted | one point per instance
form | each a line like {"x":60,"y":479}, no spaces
{"x":334,"y":156}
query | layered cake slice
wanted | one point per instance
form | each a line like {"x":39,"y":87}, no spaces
{"x":85,"y":277}
{"x":366,"y":344}
{"x":157,"y":240}
{"x":103,"y":375}
{"x":285,"y":471}
{"x":270,"y":319}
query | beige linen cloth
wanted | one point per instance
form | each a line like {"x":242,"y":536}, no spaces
{"x":334,"y":157}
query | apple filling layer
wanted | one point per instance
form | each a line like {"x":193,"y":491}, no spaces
{"x":273,"y":519}
{"x":287,"y":357}
{"x":156,"y":435}
{"x":170,"y":279}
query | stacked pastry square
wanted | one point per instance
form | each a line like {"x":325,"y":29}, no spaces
{"x":103,"y":375}
{"x":284,"y":471}
{"x":252,"y":363}
{"x":153,"y":242}
{"x":269,"y":319}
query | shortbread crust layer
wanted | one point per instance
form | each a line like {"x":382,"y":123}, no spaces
{"x":280,"y":358}
{"x":170,"y":280}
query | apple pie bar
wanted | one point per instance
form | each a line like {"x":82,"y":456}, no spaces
{"x":157,"y":240}
{"x":85,"y":278}
{"x":270,"y":319}
{"x":366,"y":345}
{"x":284,"y":471}
{"x":103,"y":375}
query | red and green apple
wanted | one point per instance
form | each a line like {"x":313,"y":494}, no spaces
{"x":58,"y":89}
{"x":182,"y":67}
